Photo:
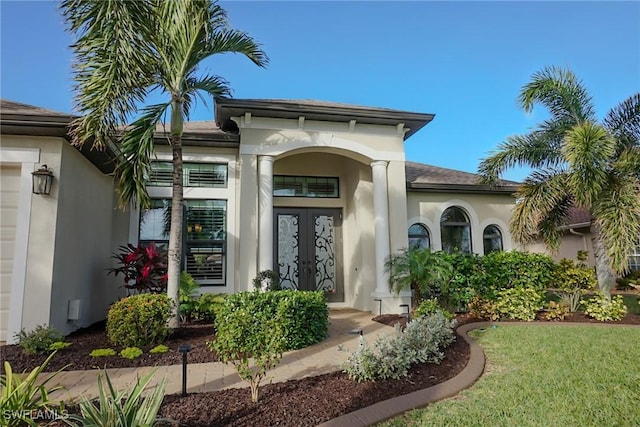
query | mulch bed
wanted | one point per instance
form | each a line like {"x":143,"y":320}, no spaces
{"x":83,"y":341}
{"x":308,"y":401}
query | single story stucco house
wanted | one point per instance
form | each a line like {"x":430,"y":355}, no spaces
{"x":319,"y":192}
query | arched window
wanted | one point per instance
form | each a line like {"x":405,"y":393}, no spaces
{"x":492,"y":239}
{"x":455,"y":230}
{"x":419,"y":237}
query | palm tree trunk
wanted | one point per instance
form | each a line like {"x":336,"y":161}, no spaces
{"x":604,"y":273}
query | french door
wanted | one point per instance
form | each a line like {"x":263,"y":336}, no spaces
{"x":308,"y":249}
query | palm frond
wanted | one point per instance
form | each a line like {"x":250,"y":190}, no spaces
{"x":589,"y":150}
{"x":623,"y":121}
{"x":113,"y":67}
{"x":617,"y":213}
{"x":134,"y":158}
{"x":560,"y":91}
{"x":536,"y":150}
{"x":543,"y":202}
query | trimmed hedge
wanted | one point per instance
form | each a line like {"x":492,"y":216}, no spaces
{"x":303,"y":316}
{"x":139,"y":320}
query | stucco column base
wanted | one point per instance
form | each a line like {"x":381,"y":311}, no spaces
{"x":389,"y":302}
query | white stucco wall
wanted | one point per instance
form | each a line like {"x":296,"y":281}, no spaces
{"x":85,"y":235}
{"x":312,"y":148}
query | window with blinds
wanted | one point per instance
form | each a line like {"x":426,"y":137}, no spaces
{"x":208,"y":175}
{"x":305,"y":186}
{"x":205,"y":236}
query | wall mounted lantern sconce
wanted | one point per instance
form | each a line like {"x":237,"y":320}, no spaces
{"x":42,"y":180}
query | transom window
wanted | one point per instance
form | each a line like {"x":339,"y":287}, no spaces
{"x":492,"y":239}
{"x":205,"y":236}
{"x":305,"y":186}
{"x":208,"y":175}
{"x":419,"y":237}
{"x":455,"y":230}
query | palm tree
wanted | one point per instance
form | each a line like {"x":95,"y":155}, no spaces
{"x":418,"y":270}
{"x":578,"y":162}
{"x":125,"y":50}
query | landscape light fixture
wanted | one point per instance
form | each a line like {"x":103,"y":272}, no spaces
{"x":379,"y":305}
{"x":184,"y":349}
{"x":408,"y":311}
{"x":42,"y":180}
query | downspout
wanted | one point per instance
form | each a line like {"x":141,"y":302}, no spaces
{"x":584,"y":238}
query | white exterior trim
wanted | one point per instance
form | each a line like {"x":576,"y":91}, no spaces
{"x":430,"y":228}
{"x":331,"y":140}
{"x":228,"y":194}
{"x":504,"y":229}
{"x":381,"y":224}
{"x":265,"y":213}
{"x":476,"y":232}
{"x":27,"y":158}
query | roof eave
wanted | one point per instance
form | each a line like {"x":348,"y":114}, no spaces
{"x":413,"y":121}
{"x":462,"y":188}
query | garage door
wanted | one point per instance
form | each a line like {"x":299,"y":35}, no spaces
{"x":9,"y":189}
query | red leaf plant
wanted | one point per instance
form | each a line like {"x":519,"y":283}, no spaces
{"x":144,"y":267}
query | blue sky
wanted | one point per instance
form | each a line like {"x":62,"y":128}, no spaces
{"x":463,"y":61}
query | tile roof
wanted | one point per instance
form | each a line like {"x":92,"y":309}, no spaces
{"x":12,"y":107}
{"x":418,"y":173}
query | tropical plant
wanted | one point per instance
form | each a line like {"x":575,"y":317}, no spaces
{"x":139,"y":320}
{"x":267,"y":278}
{"x":20,"y":394}
{"x":187,"y":295}
{"x":391,"y":356}
{"x":131,"y":352}
{"x":127,"y":408}
{"x":124,"y":51}
{"x":603,"y":308}
{"x":102,"y":352}
{"x":578,"y":162}
{"x":573,"y":280}
{"x":39,"y":340}
{"x":144,"y":267}
{"x":420,"y":270}
{"x":250,"y":338}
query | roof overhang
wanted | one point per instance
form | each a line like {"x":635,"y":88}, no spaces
{"x":463,"y":188}
{"x":55,"y":126}
{"x":227,"y":108}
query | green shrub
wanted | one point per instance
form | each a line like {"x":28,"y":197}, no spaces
{"x":208,"y":306}
{"x":431,"y":306}
{"x":102,"y":352}
{"x":392,"y":355}
{"x":122,"y":408}
{"x":250,"y":337}
{"x":187,"y":296}
{"x":159,"y":349}
{"x":20,"y":394}
{"x":484,"y":309}
{"x":59,"y":345}
{"x":519,"y":303}
{"x":139,"y":320}
{"x":573,"y":279}
{"x":556,"y":311}
{"x":630,"y":281}
{"x":303,"y":317}
{"x":131,"y":352}
{"x":39,"y":340}
{"x":269,"y":278}
{"x":604,"y":308}
{"x":458,"y":292}
{"x":506,"y":270}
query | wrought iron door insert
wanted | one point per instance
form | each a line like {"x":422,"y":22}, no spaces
{"x":308,"y":249}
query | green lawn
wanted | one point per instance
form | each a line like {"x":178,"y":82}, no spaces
{"x":546,"y":376}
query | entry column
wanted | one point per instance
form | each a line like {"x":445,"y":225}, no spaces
{"x":265,"y":211}
{"x":381,"y":215}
